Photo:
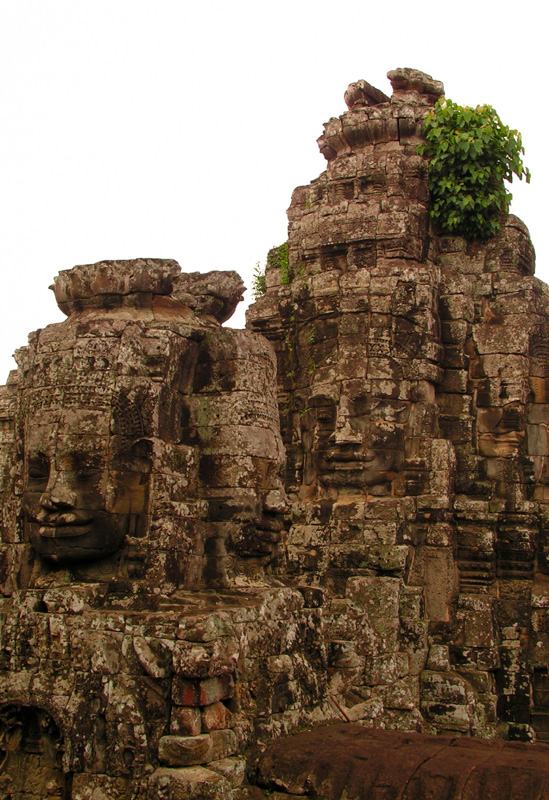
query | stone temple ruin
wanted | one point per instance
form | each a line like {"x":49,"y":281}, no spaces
{"x":213,"y":538}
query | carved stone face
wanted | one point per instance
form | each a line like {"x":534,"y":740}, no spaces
{"x":352,"y":440}
{"x":82,"y":493}
{"x":234,"y":423}
{"x":258,"y":523}
{"x":245,"y":496}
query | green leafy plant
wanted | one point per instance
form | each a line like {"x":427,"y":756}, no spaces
{"x":298,"y":271}
{"x":471,"y":154}
{"x":277,"y":258}
{"x":290,"y":373}
{"x":259,"y":282}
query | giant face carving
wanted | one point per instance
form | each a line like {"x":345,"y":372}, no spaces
{"x":234,"y":420}
{"x":122,"y":367}
{"x":83,"y":492}
{"x":353,"y":441}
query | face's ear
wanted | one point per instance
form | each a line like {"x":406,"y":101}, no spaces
{"x":131,"y":456}
{"x":141,"y":455}
{"x":184,"y":377}
{"x":128,"y":492}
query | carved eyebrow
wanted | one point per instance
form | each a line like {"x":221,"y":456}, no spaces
{"x":85,"y":460}
{"x":38,"y":457}
{"x":322,"y":400}
{"x":363,"y":401}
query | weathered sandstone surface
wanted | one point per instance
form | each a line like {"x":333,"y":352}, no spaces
{"x":212,"y":538}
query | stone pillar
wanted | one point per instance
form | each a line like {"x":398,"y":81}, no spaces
{"x":413,"y":402}
{"x":355,"y":324}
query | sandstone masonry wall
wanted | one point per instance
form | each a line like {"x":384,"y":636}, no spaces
{"x":411,"y":382}
{"x":211,"y":538}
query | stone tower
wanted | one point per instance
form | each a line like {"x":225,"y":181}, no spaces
{"x":140,"y":462}
{"x":412,"y":380}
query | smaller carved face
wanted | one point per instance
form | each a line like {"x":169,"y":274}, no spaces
{"x":81,"y":497}
{"x":260,"y":528}
{"x":250,"y":511}
{"x":353,"y":441}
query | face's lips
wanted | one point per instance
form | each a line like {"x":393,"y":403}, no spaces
{"x":347,"y":454}
{"x":348,"y":460}
{"x":62,"y":531}
{"x":57,"y":519}
{"x":270,"y":522}
{"x":64,"y":524}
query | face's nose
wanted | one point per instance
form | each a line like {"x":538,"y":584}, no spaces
{"x":344,"y":432}
{"x":58,"y":494}
{"x":275,"y":501}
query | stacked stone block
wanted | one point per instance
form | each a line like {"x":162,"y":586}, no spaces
{"x":184,"y":580}
{"x":356,"y":328}
{"x":411,"y":386}
{"x":143,"y":635}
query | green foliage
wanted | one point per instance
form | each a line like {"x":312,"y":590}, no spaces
{"x":277,"y":258}
{"x":259,"y":283}
{"x":471,"y":153}
{"x":289,"y":355}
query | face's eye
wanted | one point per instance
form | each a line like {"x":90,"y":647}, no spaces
{"x":85,"y":475}
{"x":83,"y":467}
{"x":361,"y":405}
{"x":38,"y":472}
{"x":324,"y":408}
{"x":325,"y":414}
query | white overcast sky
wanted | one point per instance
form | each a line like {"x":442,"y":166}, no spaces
{"x":177,"y":129}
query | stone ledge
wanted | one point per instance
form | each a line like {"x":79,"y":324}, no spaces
{"x":194,"y":783}
{"x":188,"y":751}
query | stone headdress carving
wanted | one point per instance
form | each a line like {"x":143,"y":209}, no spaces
{"x":122,"y":369}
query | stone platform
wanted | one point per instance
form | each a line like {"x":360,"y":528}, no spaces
{"x":348,"y":761}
